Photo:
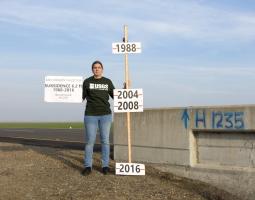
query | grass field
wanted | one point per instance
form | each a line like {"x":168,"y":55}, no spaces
{"x":53,"y":125}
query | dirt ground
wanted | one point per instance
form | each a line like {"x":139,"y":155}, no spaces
{"x":32,"y":172}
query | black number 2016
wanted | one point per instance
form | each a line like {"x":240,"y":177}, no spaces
{"x":131,"y":168}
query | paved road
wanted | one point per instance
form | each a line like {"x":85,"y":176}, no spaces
{"x":76,"y":135}
{"x":72,"y":138}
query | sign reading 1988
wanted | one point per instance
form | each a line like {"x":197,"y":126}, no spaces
{"x":127,"y":47}
{"x":128,"y":100}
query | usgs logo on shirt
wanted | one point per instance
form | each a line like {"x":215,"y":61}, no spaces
{"x":94,"y":86}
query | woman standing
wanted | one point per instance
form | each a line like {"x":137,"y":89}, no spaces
{"x":96,"y":90}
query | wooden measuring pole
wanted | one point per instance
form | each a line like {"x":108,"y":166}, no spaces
{"x":127,"y":87}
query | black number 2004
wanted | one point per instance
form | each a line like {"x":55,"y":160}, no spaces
{"x":127,"y":94}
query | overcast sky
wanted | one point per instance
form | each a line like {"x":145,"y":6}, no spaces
{"x":194,"y":52}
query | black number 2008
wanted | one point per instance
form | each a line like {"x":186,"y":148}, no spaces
{"x":128,"y":105}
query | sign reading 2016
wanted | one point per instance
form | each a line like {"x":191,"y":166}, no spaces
{"x":130,"y":169}
{"x":128,"y":100}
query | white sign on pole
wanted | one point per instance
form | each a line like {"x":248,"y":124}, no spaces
{"x":129,"y":169}
{"x":128,"y":100}
{"x":67,"y":89}
{"x":127,"y":47}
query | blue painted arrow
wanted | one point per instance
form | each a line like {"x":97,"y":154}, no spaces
{"x":185,"y":117}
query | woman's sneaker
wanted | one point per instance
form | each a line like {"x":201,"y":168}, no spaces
{"x":105,"y":170}
{"x":86,"y":171}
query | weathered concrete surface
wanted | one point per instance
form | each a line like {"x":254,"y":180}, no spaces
{"x":151,"y":124}
{"x":240,"y":183}
{"x":226,"y":148}
{"x":158,"y":132}
{"x":176,"y":156}
{"x":220,"y":138}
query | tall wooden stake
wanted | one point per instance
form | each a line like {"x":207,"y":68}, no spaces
{"x":127,"y":87}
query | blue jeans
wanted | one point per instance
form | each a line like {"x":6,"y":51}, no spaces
{"x":92,"y":123}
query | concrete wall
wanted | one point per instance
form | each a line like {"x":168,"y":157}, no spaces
{"x":179,"y":135}
{"x":235,"y":149}
{"x":216,"y":138}
{"x":157,"y":136}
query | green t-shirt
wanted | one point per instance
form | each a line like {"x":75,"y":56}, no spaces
{"x":96,"y":92}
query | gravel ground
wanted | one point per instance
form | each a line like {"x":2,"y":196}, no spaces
{"x":31,"y":172}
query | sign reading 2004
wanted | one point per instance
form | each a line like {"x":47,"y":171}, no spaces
{"x":128,"y":100}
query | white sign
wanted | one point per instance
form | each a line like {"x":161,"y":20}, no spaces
{"x":63,"y":89}
{"x":129,"y":169}
{"x":127,"y":47}
{"x":128,"y":100}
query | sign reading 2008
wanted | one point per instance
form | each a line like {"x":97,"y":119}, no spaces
{"x":128,"y":100}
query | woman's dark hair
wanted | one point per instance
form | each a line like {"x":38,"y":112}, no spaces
{"x":97,"y":62}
